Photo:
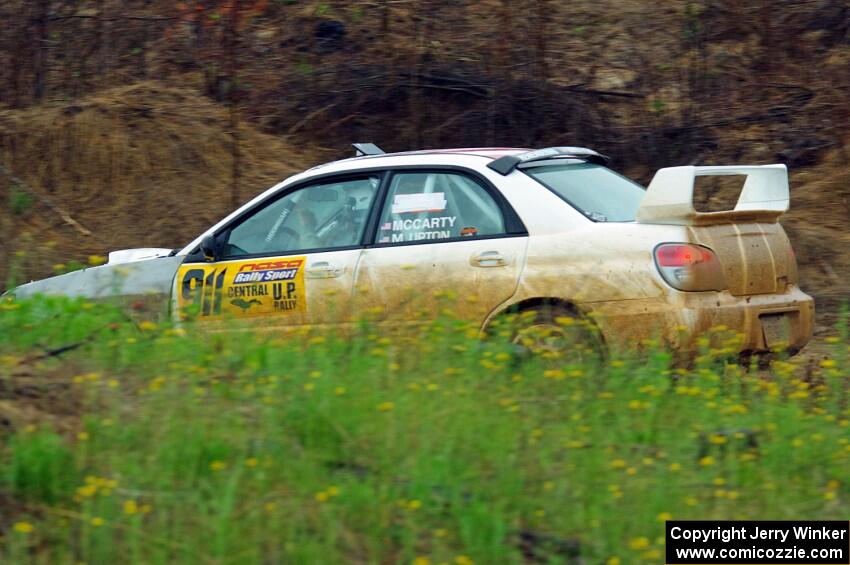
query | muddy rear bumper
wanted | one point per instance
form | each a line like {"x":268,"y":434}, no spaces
{"x":763,"y":322}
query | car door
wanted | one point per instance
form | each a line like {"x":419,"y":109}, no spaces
{"x":443,"y":238}
{"x":286,"y":262}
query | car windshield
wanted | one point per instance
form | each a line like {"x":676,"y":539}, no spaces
{"x":599,"y":193}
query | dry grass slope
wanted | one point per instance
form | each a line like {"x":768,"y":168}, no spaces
{"x":140,"y":165}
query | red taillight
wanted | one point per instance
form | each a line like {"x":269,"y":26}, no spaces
{"x":677,"y":255}
{"x":689,"y":267}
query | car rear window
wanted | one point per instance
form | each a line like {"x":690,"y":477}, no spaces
{"x":599,"y":193}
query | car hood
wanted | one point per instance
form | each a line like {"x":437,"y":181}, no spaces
{"x":132,"y":278}
{"x":131,"y":255}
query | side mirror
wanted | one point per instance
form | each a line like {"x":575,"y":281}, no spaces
{"x":208,"y":248}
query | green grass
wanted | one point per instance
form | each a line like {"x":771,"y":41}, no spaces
{"x":193,"y":447}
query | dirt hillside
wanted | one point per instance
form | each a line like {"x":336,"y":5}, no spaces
{"x":142,"y":165}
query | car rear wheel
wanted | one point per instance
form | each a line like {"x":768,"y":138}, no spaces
{"x":557,"y":333}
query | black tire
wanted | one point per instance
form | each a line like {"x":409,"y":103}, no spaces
{"x":558,"y":333}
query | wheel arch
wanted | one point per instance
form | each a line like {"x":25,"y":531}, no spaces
{"x":537,"y":301}
{"x":527,"y":304}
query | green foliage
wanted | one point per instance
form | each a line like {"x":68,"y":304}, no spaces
{"x":304,"y":68}
{"x":323,"y":9}
{"x":19,"y":201}
{"x":246,"y":447}
{"x":40,"y":467}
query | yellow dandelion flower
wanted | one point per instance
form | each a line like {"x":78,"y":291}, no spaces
{"x":386,"y":406}
{"x":23,"y":527}
{"x":218,"y":466}
{"x":421,"y":561}
{"x":252,"y":462}
{"x":675,"y":467}
{"x":131,"y":507}
{"x":618,"y":464}
{"x":613,"y":560}
{"x":414,"y":504}
{"x":463,"y":560}
{"x":440,"y":533}
{"x":639,"y":543}
{"x":86,"y":491}
{"x":97,"y":522}
{"x":333,"y":491}
{"x":83,"y":436}
{"x":664,"y":517}
{"x":706,"y":461}
{"x":321,"y":496}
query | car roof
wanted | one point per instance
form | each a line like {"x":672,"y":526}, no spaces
{"x":488,"y":152}
{"x":492,"y":152}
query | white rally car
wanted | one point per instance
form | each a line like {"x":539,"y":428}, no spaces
{"x":552,"y":233}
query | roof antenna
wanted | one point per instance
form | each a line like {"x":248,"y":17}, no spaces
{"x":366,"y":149}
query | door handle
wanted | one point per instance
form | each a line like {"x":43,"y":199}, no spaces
{"x":488,"y":259}
{"x":323,"y":270}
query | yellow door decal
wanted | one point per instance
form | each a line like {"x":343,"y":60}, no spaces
{"x":255,"y":287}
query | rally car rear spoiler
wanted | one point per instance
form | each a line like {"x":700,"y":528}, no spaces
{"x":670,"y":196}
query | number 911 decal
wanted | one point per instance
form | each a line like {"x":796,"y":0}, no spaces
{"x":243,"y":288}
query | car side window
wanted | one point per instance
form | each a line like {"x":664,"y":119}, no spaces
{"x":423,"y":206}
{"x":320,"y":216}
